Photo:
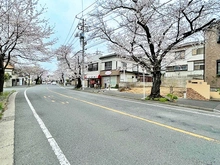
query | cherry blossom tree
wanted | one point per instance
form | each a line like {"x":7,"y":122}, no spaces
{"x":32,"y":72}
{"x":69,"y":61}
{"x":24,"y":33}
{"x":147,"y":30}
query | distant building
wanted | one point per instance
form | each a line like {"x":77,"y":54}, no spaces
{"x":15,"y":79}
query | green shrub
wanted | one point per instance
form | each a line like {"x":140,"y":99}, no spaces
{"x":163,"y":99}
{"x":172,"y":97}
{"x":147,"y":98}
{"x":3,"y":100}
{"x":1,"y":106}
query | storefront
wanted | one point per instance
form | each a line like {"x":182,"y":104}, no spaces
{"x":110,"y":78}
{"x":94,"y":81}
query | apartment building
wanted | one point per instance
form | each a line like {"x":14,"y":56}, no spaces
{"x":197,"y":60}
{"x":186,"y":60}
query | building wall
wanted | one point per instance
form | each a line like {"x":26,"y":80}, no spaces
{"x":188,"y":60}
{"x":8,"y":83}
{"x":212,"y":51}
{"x":198,"y":90}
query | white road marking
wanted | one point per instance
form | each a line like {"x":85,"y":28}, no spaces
{"x":174,"y":108}
{"x":58,"y":152}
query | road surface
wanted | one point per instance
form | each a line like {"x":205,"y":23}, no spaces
{"x":54,"y":125}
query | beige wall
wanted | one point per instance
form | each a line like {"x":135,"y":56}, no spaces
{"x":200,"y":87}
{"x":214,"y":95}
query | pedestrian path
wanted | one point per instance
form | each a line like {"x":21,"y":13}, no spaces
{"x":210,"y":105}
{"x":7,"y":133}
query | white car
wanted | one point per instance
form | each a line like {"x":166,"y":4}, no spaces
{"x":54,"y":83}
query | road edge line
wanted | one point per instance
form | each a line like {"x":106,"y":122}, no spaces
{"x":58,"y":152}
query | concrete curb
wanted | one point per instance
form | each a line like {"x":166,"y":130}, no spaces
{"x":7,"y":133}
{"x":151,"y":102}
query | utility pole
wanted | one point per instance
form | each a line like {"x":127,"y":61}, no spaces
{"x":83,"y":43}
{"x":82,"y":38}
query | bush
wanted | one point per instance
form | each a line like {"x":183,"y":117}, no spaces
{"x":163,"y":99}
{"x":3,"y":100}
{"x":172,"y":97}
{"x":147,"y":98}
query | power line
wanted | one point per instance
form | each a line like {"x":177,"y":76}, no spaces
{"x":95,"y":44}
{"x":69,"y":31}
{"x":86,"y":8}
{"x":72,"y":36}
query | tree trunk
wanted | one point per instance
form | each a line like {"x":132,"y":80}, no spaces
{"x":2,"y":73}
{"x":155,"y":89}
{"x":79,"y":84}
{"x":37,"y":80}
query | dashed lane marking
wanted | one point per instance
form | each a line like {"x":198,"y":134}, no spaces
{"x":142,"y":119}
{"x":58,"y":152}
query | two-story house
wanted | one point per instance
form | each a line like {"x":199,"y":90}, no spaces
{"x":185,"y":61}
{"x":197,"y":60}
{"x":111,"y":69}
{"x":92,"y":74}
{"x":117,"y":69}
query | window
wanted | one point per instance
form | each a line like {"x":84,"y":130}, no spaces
{"x":170,"y":68}
{"x":124,"y":65}
{"x":177,"y":68}
{"x":93,"y":67}
{"x":184,"y":67}
{"x":180,"y":68}
{"x":108,"y":65}
{"x":198,"y":51}
{"x":180,"y":54}
{"x":134,"y":67}
{"x":218,"y":67}
{"x":199,"y":65}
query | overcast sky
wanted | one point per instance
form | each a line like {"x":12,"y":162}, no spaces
{"x":61,"y":15}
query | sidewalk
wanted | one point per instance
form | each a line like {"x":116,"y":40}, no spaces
{"x":213,"y":106}
{"x":7,"y":133}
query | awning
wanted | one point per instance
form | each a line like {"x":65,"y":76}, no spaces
{"x":93,"y":76}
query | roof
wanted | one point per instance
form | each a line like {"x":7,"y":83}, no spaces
{"x":109,"y":56}
{"x":9,"y":66}
{"x":188,"y":44}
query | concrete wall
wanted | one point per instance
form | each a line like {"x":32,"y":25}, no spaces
{"x":197,"y":89}
{"x":215,"y":95}
{"x":135,"y":84}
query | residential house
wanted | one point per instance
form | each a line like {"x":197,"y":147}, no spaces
{"x":184,"y":62}
{"x":117,"y":69}
{"x":92,"y":74}
{"x":15,"y":79}
{"x":196,"y":60}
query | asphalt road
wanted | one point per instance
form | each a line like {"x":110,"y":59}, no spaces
{"x":54,"y":125}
